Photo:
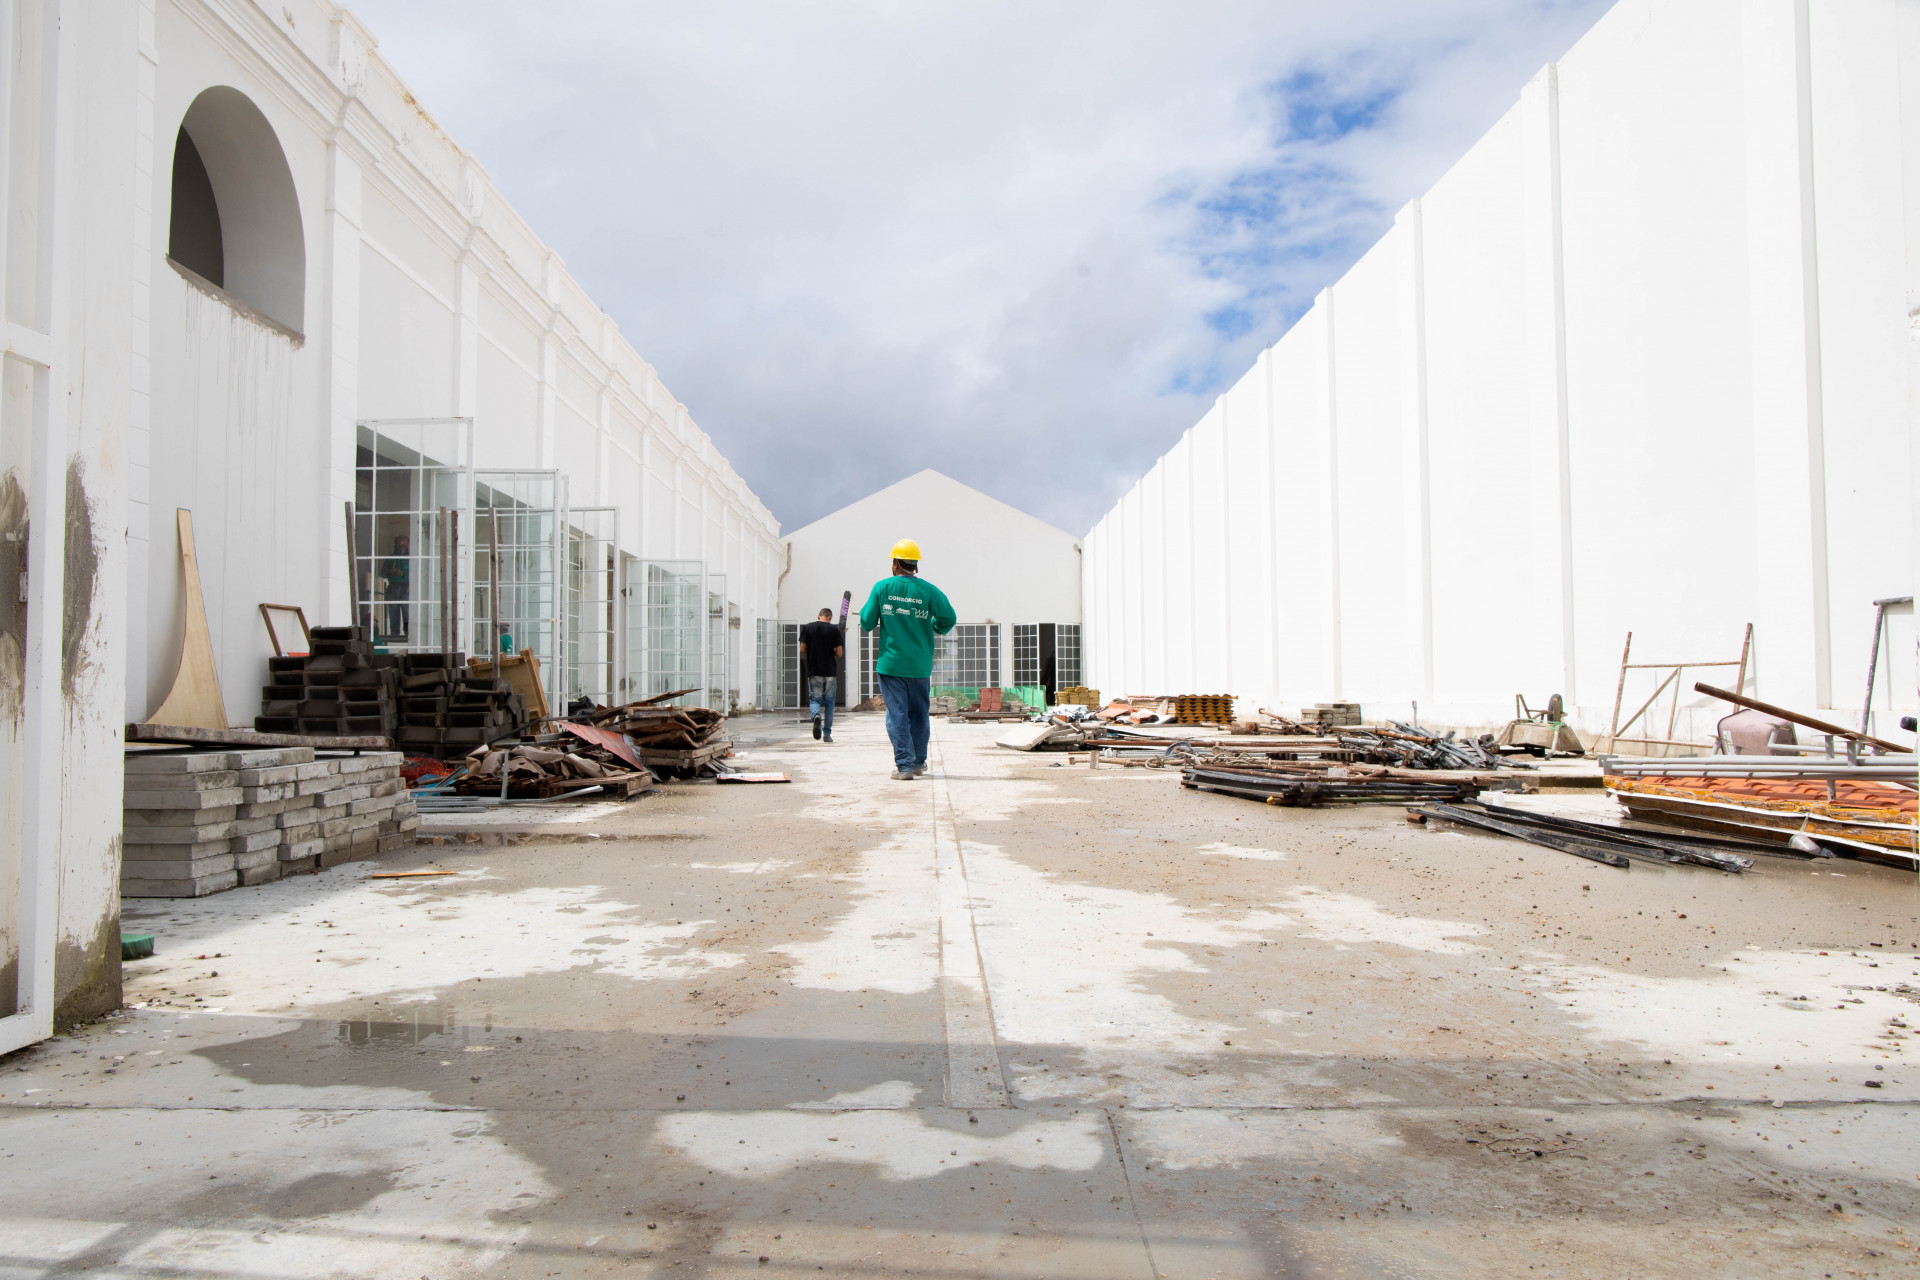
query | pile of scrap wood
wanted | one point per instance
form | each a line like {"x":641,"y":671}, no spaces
{"x":681,"y":742}
{"x":1299,"y":783}
{"x":554,"y":765}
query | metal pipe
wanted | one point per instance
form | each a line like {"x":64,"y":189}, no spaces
{"x":1818,"y":726}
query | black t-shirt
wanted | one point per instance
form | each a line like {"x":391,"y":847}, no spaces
{"x":821,"y":639}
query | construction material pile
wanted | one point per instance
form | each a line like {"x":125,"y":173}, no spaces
{"x":553,"y":765}
{"x":680,"y":742}
{"x":1077,"y":695}
{"x":1410,"y":748}
{"x":449,"y":708}
{"x":1303,"y":783}
{"x":1613,"y":843}
{"x":199,"y":822}
{"x":341,"y":689}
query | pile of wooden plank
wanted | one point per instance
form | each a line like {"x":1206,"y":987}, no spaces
{"x":680,"y":742}
{"x":553,"y":766}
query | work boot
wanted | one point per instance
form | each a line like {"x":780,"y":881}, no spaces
{"x":816,"y":728}
{"x":903,"y":775}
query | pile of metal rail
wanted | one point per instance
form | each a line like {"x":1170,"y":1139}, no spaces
{"x":1294,"y":784}
{"x":1612,"y":843}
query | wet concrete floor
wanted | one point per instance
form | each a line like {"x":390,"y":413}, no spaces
{"x":1018,"y":1018}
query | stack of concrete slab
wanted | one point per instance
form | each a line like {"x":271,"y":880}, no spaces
{"x":199,"y":822}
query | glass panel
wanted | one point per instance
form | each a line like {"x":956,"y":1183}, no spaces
{"x":593,"y":540}
{"x":527,"y":510}
{"x":1066,"y":655}
{"x":674,"y":622}
{"x":412,"y":502}
{"x":719,"y":644}
{"x":634,"y":594}
{"x":1026,"y":653}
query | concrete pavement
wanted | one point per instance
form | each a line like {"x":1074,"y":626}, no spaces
{"x":1013,"y":1019}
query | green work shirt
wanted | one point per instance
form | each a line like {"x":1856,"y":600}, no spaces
{"x":914,"y":611}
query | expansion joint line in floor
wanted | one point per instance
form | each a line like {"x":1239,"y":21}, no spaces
{"x":975,"y":1078}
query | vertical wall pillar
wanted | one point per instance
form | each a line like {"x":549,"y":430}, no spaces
{"x":1270,"y":432}
{"x":1792,"y":630}
{"x":343,"y":367}
{"x":1416,"y":485}
{"x":140,"y":371}
{"x":549,"y":365}
{"x":1908,"y":34}
{"x":1549,"y":439}
{"x":1330,"y":480}
{"x":1227,"y":593}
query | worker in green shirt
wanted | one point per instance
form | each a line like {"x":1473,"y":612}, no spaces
{"x":908,"y":612}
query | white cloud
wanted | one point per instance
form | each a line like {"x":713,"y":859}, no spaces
{"x":861,"y":238}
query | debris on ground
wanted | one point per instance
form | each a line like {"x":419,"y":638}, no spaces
{"x":550,"y":767}
{"x":678,"y":742}
{"x":1290,"y":783}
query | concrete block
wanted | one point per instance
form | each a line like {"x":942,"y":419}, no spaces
{"x":366,"y":841}
{"x":314,"y":769}
{"x":134,"y":819}
{"x":379,"y":806}
{"x":410,"y":823}
{"x":303,"y":866}
{"x":391,"y":787}
{"x":397,"y":840}
{"x":335,"y":829}
{"x":259,"y":840}
{"x":341,"y":795}
{"x":270,"y":807}
{"x":256,"y":858}
{"x":210,"y":780}
{"x":176,"y":868}
{"x":349,"y":766}
{"x":268,"y":757}
{"x":253,"y":826}
{"x":302,"y":850}
{"x":270,"y":777}
{"x":264,"y":874}
{"x":293,"y":833}
{"x":146,"y":763}
{"x":196,"y":833}
{"x":183,"y":799}
{"x":187,"y":887}
{"x":326,"y":813}
{"x":166,"y":852}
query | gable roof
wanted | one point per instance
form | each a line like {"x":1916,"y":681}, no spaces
{"x":910,"y":495}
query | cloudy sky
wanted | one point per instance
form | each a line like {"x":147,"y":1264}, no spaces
{"x":1025,"y":244}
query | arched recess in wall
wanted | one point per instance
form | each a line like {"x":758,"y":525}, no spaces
{"x":235,"y":219}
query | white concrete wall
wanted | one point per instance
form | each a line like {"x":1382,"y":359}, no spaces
{"x":427,"y":296}
{"x":1639,"y":361}
{"x":995,"y":563}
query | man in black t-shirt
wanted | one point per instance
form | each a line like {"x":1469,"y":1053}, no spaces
{"x":821,"y":645}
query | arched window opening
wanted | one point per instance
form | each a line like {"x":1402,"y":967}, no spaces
{"x":235,"y":221}
{"x":194,"y":241}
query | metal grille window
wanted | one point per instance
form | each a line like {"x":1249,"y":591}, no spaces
{"x":406,"y":472}
{"x":1026,"y":653}
{"x":593,"y":542}
{"x":672,"y":613}
{"x":526,"y":510}
{"x":777,"y":649}
{"x":1066,"y":655}
{"x":869,"y":682}
{"x":967,"y":657}
{"x":718,"y":642}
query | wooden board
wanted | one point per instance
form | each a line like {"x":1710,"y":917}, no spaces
{"x":193,"y":736}
{"x":753,"y":777}
{"x":194,"y":700}
{"x":521,"y":671}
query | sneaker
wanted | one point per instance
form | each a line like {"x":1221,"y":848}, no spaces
{"x":919,"y":769}
{"x":903,"y":775}
{"x":816,"y":728}
{"x":828,"y":738}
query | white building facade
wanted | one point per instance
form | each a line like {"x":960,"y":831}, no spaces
{"x":1643,"y":361}
{"x":1014,"y":581}
{"x":247,"y":276}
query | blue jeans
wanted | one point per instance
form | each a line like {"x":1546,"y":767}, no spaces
{"x":820,"y":691}
{"x":907,"y":723}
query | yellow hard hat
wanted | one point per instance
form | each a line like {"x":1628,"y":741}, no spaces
{"x":906,"y":549}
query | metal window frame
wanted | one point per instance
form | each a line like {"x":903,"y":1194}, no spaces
{"x":608,"y":666}
{"x":417,"y":436}
{"x":498,"y":481}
